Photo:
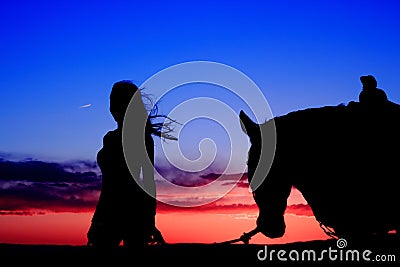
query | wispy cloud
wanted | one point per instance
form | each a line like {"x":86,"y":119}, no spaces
{"x":86,"y":106}
{"x":295,"y":209}
{"x":22,"y":213}
{"x":300,"y":210}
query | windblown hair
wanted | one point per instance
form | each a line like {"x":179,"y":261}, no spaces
{"x":160,"y":125}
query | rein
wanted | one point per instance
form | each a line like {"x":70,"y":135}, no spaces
{"x":245,"y":237}
{"x":330,"y":232}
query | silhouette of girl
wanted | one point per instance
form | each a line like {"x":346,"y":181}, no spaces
{"x":125,"y":212}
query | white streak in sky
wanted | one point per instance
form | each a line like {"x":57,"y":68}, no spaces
{"x":86,"y":106}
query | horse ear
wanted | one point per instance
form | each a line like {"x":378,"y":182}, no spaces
{"x":248,"y":126}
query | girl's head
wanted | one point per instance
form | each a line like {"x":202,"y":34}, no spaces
{"x":122,"y":93}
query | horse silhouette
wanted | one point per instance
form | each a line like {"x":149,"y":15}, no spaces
{"x":343,"y":159}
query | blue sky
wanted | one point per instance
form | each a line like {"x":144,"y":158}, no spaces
{"x":57,"y":56}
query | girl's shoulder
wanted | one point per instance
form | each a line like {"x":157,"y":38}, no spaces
{"x":112,"y":136}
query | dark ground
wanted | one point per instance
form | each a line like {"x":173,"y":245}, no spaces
{"x":204,"y":254}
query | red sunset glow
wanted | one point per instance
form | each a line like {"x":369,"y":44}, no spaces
{"x":206,"y":224}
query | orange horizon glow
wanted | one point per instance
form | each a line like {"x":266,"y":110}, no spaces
{"x":180,"y":227}
{"x":199,"y":225}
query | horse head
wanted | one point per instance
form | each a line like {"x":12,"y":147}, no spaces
{"x":270,"y":194}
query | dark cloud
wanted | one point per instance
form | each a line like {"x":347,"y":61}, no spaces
{"x":49,"y":197}
{"x":225,"y":177}
{"x":31,"y":186}
{"x":39,"y":171}
{"x":181,"y":177}
{"x":241,"y":183}
{"x":21,"y":213}
{"x":195,"y":179}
